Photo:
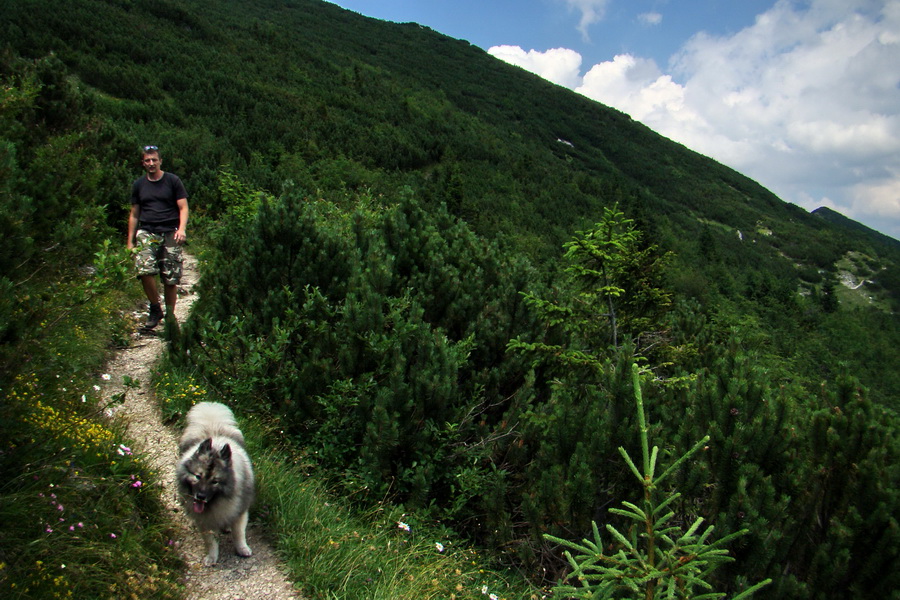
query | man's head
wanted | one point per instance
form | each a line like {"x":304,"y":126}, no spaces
{"x":150,"y":160}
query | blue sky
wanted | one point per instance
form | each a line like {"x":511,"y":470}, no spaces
{"x":801,"y":95}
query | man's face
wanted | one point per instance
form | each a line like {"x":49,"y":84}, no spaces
{"x":151,"y":163}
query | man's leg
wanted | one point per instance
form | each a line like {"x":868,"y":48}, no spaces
{"x":170,"y":270}
{"x":171,"y":293}
{"x":150,"y":288}
{"x":146,"y":264}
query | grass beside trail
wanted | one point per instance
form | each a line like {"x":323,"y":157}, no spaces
{"x":79,"y":513}
{"x":336,"y":551}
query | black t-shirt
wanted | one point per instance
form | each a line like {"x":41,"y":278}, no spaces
{"x":158,"y":201}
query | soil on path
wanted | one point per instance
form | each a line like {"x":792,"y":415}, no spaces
{"x":258,"y":577}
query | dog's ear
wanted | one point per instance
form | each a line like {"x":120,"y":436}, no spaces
{"x":205,"y":446}
{"x":225,"y":453}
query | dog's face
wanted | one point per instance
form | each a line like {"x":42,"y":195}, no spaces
{"x":206,"y":475}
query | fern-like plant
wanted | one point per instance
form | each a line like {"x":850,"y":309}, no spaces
{"x":654,"y":558}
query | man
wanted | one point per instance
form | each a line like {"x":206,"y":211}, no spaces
{"x":158,"y":227}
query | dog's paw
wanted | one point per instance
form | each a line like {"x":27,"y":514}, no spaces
{"x":243,"y":550}
{"x":211,"y":559}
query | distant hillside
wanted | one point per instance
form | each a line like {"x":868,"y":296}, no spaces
{"x":849,"y":224}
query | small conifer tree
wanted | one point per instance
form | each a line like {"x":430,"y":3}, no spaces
{"x":654,"y":558}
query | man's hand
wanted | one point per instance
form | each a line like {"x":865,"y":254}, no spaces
{"x":180,"y":237}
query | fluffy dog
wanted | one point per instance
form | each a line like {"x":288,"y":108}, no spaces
{"x":215,"y":477}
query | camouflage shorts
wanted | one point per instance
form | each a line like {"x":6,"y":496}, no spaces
{"x":158,"y":253}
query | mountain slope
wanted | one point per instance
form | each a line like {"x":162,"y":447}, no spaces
{"x":308,"y":93}
{"x":378,"y":327}
{"x":848,"y":224}
{"x":309,"y":80}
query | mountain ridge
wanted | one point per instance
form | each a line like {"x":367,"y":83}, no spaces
{"x":845,"y":222}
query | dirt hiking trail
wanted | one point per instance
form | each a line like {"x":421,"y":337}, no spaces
{"x":259,"y":577}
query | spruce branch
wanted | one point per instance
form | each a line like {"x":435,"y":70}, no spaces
{"x":661,"y":561}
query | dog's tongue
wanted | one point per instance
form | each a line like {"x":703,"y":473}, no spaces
{"x":199,"y":507}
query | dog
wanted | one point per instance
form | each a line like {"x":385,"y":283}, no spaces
{"x":215,"y":477}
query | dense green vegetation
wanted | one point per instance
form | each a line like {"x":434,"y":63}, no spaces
{"x":79,"y":515}
{"x":415,"y":266}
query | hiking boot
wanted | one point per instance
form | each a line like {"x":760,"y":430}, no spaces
{"x":154,"y":317}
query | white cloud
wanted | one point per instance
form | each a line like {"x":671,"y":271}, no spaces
{"x":592,"y":11}
{"x":650,"y":18}
{"x":880,"y":199}
{"x":806,"y":101}
{"x":637,"y":84}
{"x":559,"y":65}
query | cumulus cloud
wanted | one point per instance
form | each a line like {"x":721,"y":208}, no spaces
{"x":813,"y":94}
{"x":806,"y":101}
{"x":639,"y":85}
{"x":559,"y":65}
